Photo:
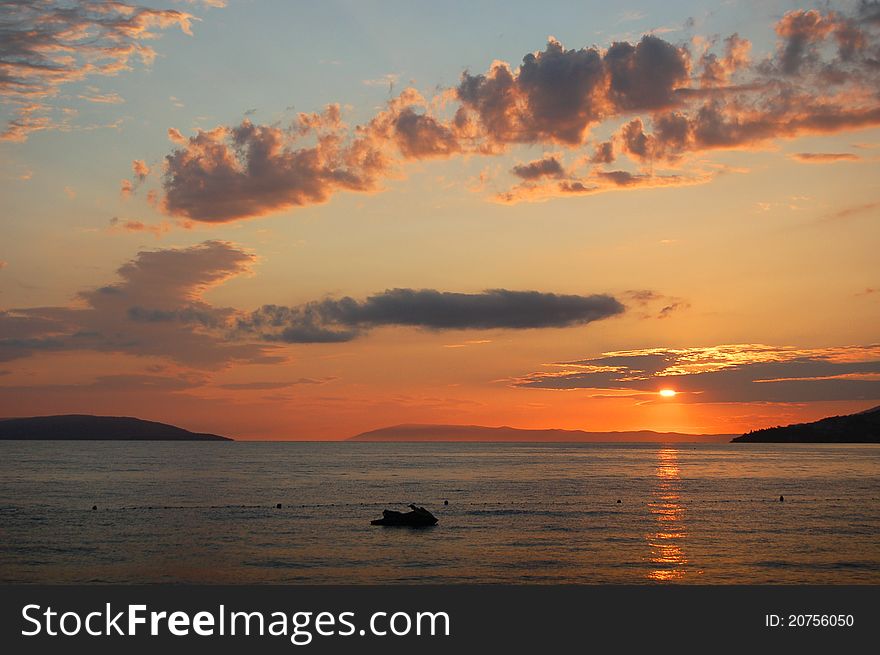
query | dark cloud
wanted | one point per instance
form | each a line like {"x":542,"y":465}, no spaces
{"x":603,"y":153}
{"x":869,"y":11}
{"x":546,"y":167}
{"x":645,"y":75}
{"x":559,"y":87}
{"x":621,"y":178}
{"x":557,"y":94}
{"x":344,"y":319}
{"x":729,"y":373}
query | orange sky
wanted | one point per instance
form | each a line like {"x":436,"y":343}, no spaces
{"x":539,"y":232}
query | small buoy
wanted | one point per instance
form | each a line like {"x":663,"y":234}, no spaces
{"x":94,"y":507}
{"x":782,"y":499}
{"x":618,"y":501}
{"x":445,"y":502}
{"x":278,"y":506}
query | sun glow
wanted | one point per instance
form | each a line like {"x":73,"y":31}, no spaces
{"x":667,"y":393}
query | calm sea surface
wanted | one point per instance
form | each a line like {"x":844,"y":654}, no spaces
{"x":205,"y":512}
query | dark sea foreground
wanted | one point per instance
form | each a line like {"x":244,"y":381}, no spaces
{"x":517,"y":513}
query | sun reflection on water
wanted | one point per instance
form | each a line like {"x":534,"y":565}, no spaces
{"x":667,"y":541}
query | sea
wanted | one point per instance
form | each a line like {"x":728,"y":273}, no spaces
{"x":206,"y":512}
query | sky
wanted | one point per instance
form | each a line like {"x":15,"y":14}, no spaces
{"x":279,"y":220}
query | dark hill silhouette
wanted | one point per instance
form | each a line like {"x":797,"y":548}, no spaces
{"x":479,"y":433}
{"x":82,"y":427}
{"x":863,"y":427}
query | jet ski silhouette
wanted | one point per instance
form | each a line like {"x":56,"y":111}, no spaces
{"x":417,"y":517}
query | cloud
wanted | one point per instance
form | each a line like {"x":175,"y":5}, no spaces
{"x":218,"y":4}
{"x":853,"y":210}
{"x":140,"y":169}
{"x":117,"y":225}
{"x":387,"y":80}
{"x":249,"y":170}
{"x":715,"y":70}
{"x":263,"y":386}
{"x":155,"y":309}
{"x":597,"y":181}
{"x":603,"y":153}
{"x":420,"y":136}
{"x":103,"y":98}
{"x":546,"y":167}
{"x":344,"y":319}
{"x":555,"y":95}
{"x":224,"y":174}
{"x":824,"y":157}
{"x":666,"y":105}
{"x":726,"y":373}
{"x":118,"y":383}
{"x":645,"y":76}
{"x":47,"y":45}
{"x":651,"y":304}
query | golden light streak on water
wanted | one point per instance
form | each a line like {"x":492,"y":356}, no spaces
{"x":667,"y":541}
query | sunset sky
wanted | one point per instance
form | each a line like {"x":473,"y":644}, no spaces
{"x":278,"y":220}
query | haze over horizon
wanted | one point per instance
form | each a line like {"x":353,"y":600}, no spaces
{"x":274,"y":220}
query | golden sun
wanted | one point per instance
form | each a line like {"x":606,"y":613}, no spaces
{"x":668,"y":393}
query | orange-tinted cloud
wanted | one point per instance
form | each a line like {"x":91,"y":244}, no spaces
{"x":597,"y":181}
{"x":853,"y":210}
{"x":117,"y":225}
{"x":824,"y":157}
{"x":46,"y":45}
{"x":155,"y":309}
{"x":406,"y":123}
{"x":140,"y":171}
{"x":249,"y":170}
{"x":726,"y":373}
{"x":717,"y":71}
{"x":821,"y":78}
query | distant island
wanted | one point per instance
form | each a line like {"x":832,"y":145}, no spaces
{"x":863,"y":427}
{"x":84,"y":427}
{"x":479,"y":433}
